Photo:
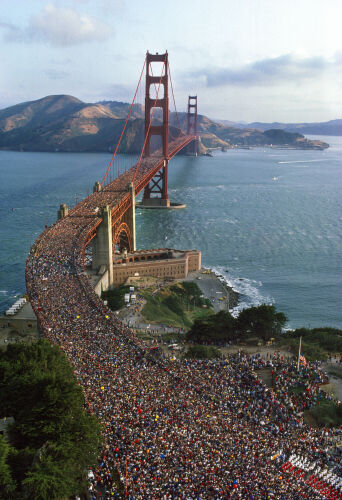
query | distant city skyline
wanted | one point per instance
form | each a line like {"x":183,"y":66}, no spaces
{"x":252,"y":60}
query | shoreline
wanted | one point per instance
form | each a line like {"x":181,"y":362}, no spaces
{"x":209,"y":284}
{"x":213,"y":289}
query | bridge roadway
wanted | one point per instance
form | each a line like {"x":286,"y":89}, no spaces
{"x":101,"y":349}
{"x":162,"y":420}
{"x":62,"y":244}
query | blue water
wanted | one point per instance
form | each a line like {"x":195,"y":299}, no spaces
{"x":269,"y":220}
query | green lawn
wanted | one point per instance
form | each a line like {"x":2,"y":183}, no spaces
{"x":176,"y":305}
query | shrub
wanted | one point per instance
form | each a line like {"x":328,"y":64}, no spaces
{"x":115,"y":297}
{"x":326,"y":414}
{"x":219,"y":327}
{"x":198,"y":351}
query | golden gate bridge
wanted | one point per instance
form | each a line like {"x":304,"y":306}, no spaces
{"x":107,"y":216}
{"x":150,"y":173}
{"x":171,"y":429}
{"x":69,"y":312}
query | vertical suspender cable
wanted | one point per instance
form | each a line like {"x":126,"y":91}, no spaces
{"x":124,"y":128}
{"x":174,"y":101}
{"x":149,"y":126}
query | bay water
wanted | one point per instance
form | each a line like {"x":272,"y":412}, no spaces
{"x":268,"y":219}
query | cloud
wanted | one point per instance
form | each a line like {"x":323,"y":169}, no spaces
{"x":119,"y":92}
{"x":54,"y":74}
{"x":287,"y":68}
{"x":12,"y":32}
{"x":60,"y":27}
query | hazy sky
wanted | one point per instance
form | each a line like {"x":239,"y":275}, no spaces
{"x":266,"y":60}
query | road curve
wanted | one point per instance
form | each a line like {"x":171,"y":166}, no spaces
{"x":168,"y":424}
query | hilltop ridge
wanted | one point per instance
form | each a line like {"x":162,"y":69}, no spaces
{"x":65,"y":123}
{"x":331,"y":127}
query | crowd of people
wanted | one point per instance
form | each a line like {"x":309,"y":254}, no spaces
{"x":173,"y":428}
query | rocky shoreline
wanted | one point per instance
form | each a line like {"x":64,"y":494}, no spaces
{"x":214,"y":287}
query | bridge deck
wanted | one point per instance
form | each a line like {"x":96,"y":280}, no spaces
{"x":116,"y":193}
{"x":62,"y":244}
{"x":71,"y":315}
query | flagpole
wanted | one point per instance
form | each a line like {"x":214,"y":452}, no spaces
{"x":126,"y":478}
{"x":299,"y":350}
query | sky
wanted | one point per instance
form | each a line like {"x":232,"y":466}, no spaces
{"x":247,"y":60}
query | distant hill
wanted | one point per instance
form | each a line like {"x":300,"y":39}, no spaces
{"x":64,"y":123}
{"x":121,"y":109}
{"x":217,"y":134}
{"x":332,"y":127}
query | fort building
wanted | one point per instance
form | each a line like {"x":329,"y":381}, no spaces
{"x":158,"y":263}
{"x":164,"y":263}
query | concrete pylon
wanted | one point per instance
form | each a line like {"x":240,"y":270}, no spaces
{"x":103,"y":244}
{"x":63,"y":211}
{"x":97,"y":187}
{"x":132,"y":217}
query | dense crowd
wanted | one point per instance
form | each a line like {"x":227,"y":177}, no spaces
{"x":175,"y":429}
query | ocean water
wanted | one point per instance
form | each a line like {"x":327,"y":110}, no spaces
{"x":269,"y":220}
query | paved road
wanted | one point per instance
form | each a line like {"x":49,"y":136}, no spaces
{"x":211,"y":288}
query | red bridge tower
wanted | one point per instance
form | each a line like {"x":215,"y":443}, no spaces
{"x":155,"y":193}
{"x":158,"y":185}
{"x":192,"y":124}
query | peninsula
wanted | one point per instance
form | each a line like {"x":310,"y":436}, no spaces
{"x":64,"y":123}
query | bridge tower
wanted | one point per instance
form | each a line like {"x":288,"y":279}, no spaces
{"x":192,"y":124}
{"x":157,"y":187}
{"x":103,"y":245}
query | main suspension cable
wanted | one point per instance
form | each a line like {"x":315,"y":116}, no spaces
{"x":124,"y":128}
{"x":149,"y":125}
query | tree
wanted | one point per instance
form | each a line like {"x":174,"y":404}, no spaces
{"x":262,"y":321}
{"x":7,"y":485}
{"x":219,"y":327}
{"x":54,"y":441}
{"x":199,"y":351}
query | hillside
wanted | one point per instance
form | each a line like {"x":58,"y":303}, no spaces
{"x":215,"y":134}
{"x":64,"y":123}
{"x":332,"y":127}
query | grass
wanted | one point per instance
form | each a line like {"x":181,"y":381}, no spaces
{"x":176,"y":305}
{"x":311,"y":349}
{"x":317,"y":343}
{"x":144,"y":336}
{"x":298,"y":389}
{"x":175,"y":336}
{"x":118,"y":483}
{"x":266,"y":376}
{"x":199,"y":351}
{"x":326,"y":414}
{"x":336,"y":372}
